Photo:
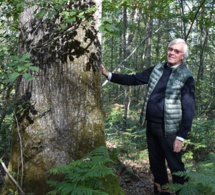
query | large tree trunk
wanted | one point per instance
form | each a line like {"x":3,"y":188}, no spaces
{"x":59,"y":114}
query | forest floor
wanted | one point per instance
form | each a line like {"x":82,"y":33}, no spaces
{"x":135,"y":179}
{"x":134,"y":175}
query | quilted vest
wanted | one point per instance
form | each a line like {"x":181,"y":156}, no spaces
{"x":172,"y":102}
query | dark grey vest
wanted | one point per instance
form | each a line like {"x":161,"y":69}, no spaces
{"x":172,"y":102}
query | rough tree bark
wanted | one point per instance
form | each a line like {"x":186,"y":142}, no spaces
{"x":59,"y":114}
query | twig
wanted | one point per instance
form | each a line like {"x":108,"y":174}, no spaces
{"x":194,"y":18}
{"x":137,"y":192}
{"x":11,"y":177}
{"x":21,"y":151}
{"x":135,"y":49}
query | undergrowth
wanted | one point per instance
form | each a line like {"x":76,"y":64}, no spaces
{"x":201,"y":179}
{"x":86,"y":176}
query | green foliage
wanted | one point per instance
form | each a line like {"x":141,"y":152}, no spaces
{"x":11,"y":9}
{"x":202,"y":174}
{"x":8,"y":41}
{"x":108,"y":28}
{"x":205,"y":98}
{"x":73,"y":8}
{"x":129,"y":140}
{"x":11,"y":66}
{"x":201,"y":179}
{"x":84,"y":176}
{"x":71,"y":13}
{"x":203,"y":138}
{"x":16,"y":66}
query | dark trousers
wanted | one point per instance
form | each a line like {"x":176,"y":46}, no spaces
{"x":160,"y":148}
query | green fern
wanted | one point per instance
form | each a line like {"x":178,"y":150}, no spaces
{"x":201,"y":179}
{"x":84,"y":176}
{"x":189,"y":190}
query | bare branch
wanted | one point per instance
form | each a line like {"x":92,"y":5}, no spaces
{"x":11,"y":177}
{"x":200,"y":6}
{"x":135,"y":49}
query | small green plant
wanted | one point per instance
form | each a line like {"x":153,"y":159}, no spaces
{"x":129,"y":140}
{"x":202,"y":135}
{"x":85,"y":176}
{"x":201,"y":179}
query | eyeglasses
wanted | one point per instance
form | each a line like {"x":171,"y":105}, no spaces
{"x":170,"y":49}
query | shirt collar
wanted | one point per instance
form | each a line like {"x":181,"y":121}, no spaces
{"x":175,"y":66}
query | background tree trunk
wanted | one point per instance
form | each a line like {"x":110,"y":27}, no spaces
{"x":59,"y":114}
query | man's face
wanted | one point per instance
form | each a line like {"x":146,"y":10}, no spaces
{"x":175,"y":54}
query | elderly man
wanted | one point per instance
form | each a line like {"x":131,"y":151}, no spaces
{"x":168,"y":110}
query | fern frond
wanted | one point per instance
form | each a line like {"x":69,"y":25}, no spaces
{"x":100,"y":151}
{"x":99,"y":172}
{"x":65,"y":188}
{"x":174,"y":187}
{"x":188,"y":190}
{"x":207,"y":166}
{"x":52,"y":183}
{"x":84,"y":176}
{"x":181,"y":173}
{"x":53,"y":192}
{"x":57,"y":170}
{"x":82,"y":190}
{"x":202,"y":178}
{"x":198,"y":183}
{"x":99,"y":160}
{"x":94,"y":183}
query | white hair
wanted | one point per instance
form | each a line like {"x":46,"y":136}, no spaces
{"x":186,"y":52}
